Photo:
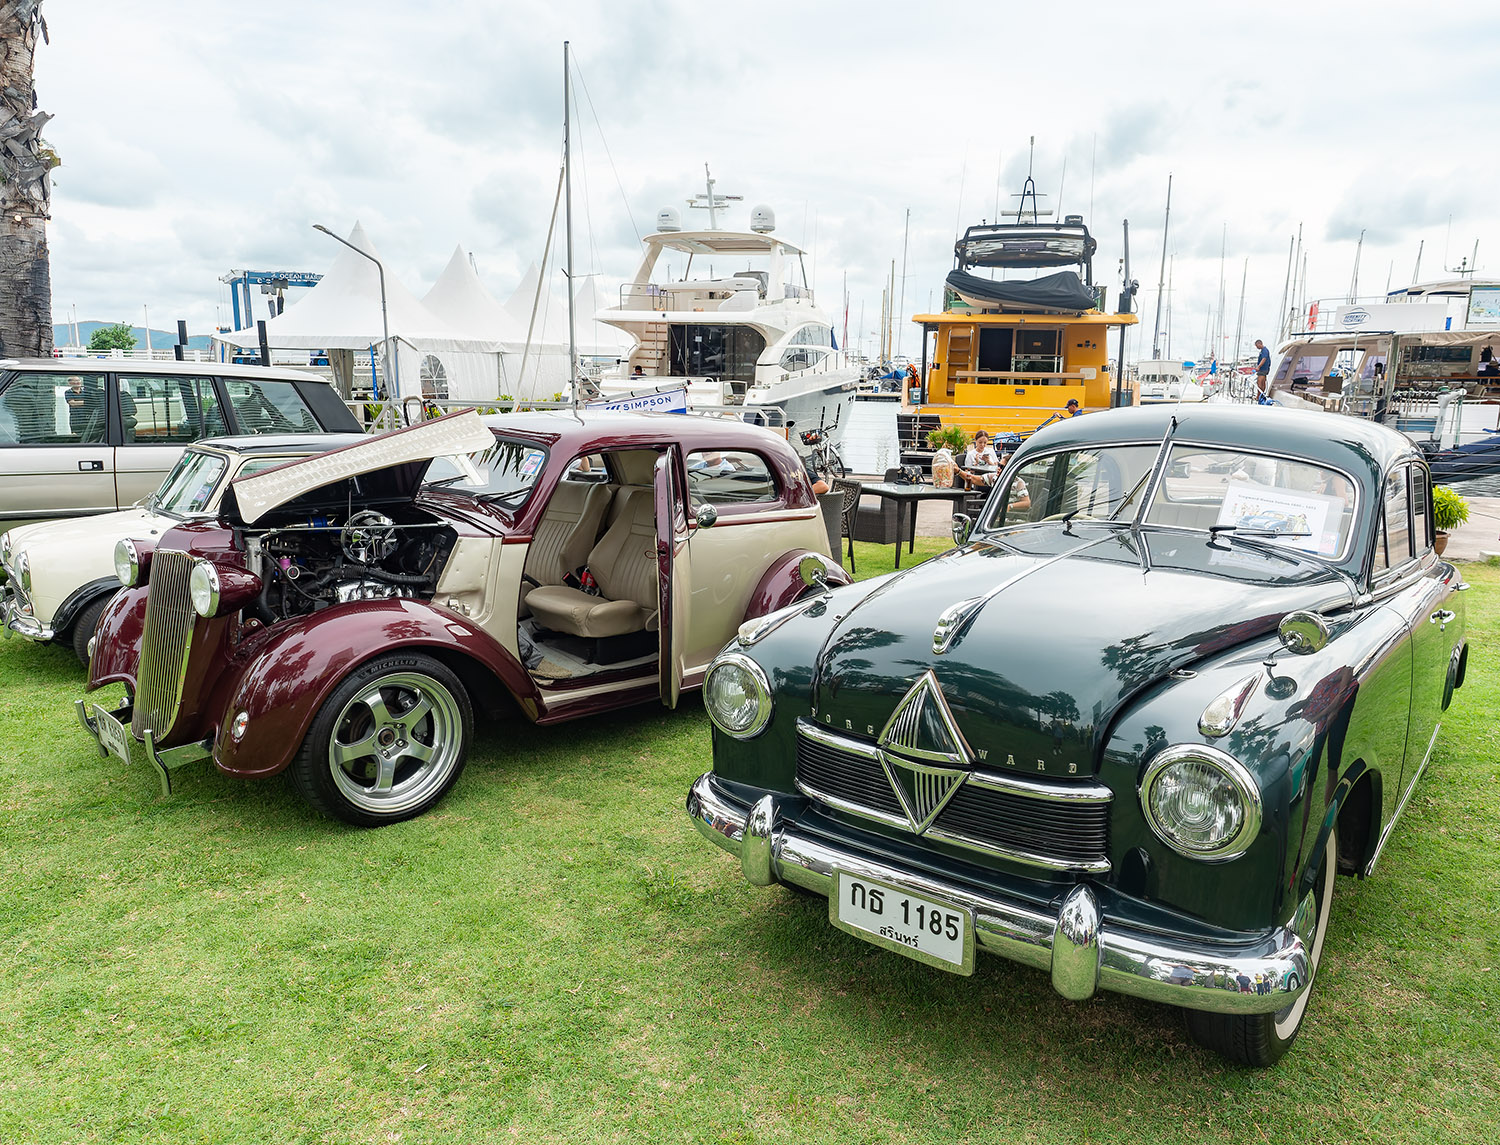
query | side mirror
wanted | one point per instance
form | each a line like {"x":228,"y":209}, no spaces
{"x":707,"y":516}
{"x":962,"y":527}
{"x":813,"y":572}
{"x":1303,"y":632}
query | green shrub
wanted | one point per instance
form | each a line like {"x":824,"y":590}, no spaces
{"x":952,"y":437}
{"x":1449,"y":510}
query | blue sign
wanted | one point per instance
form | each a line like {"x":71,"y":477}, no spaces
{"x":656,"y":401}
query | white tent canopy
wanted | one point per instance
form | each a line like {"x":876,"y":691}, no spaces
{"x":343,"y":313}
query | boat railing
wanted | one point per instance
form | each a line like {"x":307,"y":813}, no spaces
{"x":381,"y":416}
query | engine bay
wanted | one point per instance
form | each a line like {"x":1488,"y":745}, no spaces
{"x":318,"y":562}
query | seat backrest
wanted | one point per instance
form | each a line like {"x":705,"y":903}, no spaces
{"x":624,"y":560}
{"x":567,"y":531}
{"x":849,"y":490}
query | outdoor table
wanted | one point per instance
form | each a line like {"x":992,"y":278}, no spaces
{"x":906,"y":498}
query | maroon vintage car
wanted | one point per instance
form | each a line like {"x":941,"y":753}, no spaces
{"x":346,"y":613}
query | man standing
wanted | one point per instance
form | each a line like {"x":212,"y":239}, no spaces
{"x":1073,"y":408}
{"x":1262,"y":367}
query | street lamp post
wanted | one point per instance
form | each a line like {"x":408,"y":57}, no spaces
{"x":393,"y":380}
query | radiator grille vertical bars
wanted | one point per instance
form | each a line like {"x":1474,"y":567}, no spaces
{"x":164,"y":644}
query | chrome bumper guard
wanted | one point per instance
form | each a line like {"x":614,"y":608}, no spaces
{"x":164,"y":760}
{"x":1083,"y":951}
{"x":12,"y":619}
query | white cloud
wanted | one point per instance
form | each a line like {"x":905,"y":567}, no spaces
{"x":210,"y":136}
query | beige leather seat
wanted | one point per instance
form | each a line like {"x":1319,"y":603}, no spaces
{"x":567,"y":531}
{"x":624,"y":566}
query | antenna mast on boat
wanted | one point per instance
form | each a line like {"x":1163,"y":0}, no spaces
{"x":1354,"y":278}
{"x":714,"y":203}
{"x":1286,"y":285}
{"x":1416,"y":271}
{"x":568,"y":187}
{"x":1162,"y":277}
{"x":901,"y":319}
{"x":1239,"y":325}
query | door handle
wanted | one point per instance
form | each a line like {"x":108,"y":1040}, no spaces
{"x":1441,"y":618}
{"x":90,"y":466}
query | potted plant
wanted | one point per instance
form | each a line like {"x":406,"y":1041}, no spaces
{"x":1449,"y":511}
{"x":948,"y":442}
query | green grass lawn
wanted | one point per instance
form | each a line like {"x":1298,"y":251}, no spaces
{"x":553,"y":954}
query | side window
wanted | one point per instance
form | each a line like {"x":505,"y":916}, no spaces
{"x":53,"y":409}
{"x":729,"y":478}
{"x":269,"y":407}
{"x":168,"y":410}
{"x":1421,"y":508}
{"x":1396,"y":522}
{"x":588,"y":469}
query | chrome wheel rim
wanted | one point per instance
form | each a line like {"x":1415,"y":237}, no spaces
{"x":395,"y":743}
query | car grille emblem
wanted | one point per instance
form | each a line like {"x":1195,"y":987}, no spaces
{"x":923,"y":753}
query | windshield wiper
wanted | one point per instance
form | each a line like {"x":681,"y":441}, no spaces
{"x":1237,"y":532}
{"x":504,"y":495}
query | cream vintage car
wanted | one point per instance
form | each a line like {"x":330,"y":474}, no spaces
{"x":61,"y":574}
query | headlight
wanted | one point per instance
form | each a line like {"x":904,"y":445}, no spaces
{"x":737,"y":695}
{"x":1203,"y":803}
{"x":127,"y":562}
{"x":203,"y":588}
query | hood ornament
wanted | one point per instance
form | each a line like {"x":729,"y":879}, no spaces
{"x":923,"y":754}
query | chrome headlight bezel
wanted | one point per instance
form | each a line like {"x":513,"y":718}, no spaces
{"x":204,"y":589}
{"x":1232,"y":772}
{"x":738,"y":661}
{"x":127,"y":562}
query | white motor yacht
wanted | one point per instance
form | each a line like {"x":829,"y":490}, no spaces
{"x":730,"y":315}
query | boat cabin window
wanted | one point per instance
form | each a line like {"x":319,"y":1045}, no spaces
{"x":715,"y":352}
{"x":813,"y":336}
{"x":1307,"y":367}
{"x":801,"y":358}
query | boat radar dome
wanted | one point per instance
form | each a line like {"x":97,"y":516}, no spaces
{"x":762,"y":219}
{"x":1073,"y":220}
{"x":668,"y":219}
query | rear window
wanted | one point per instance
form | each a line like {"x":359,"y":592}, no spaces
{"x":269,"y":407}
{"x":53,"y":409}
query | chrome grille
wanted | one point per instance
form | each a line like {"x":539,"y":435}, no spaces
{"x":164,"y":644}
{"x":1041,"y":823}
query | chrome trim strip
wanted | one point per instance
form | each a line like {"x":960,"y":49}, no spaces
{"x":859,"y":809}
{"x":1030,"y":858}
{"x":1390,"y":827}
{"x":1160,"y":968}
{"x":992,"y":780}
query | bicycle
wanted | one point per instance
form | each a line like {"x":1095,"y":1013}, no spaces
{"x":824,"y":460}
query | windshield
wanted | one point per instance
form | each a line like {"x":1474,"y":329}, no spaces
{"x":1298,"y":504}
{"x":190,"y":485}
{"x":507,"y":472}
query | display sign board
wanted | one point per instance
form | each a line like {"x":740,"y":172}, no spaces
{"x":1484,"y":306}
{"x":1400,"y":317}
{"x":653,"y":401}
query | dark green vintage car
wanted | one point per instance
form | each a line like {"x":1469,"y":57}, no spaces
{"x":1188,"y":668}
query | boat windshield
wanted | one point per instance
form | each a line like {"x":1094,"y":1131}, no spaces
{"x":1218,"y":490}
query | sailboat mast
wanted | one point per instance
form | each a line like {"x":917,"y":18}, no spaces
{"x":901,"y":313}
{"x":1162,"y":277}
{"x":568,"y":184}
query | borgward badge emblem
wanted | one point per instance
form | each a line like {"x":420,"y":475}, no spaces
{"x":923,"y":753}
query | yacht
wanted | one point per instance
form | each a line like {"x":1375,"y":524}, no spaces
{"x":729,"y":315}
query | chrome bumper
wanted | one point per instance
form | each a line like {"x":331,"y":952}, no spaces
{"x":12,"y":619}
{"x":1083,"y":951}
{"x":163,"y":760}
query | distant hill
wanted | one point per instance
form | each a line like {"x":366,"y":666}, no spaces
{"x":62,"y":335}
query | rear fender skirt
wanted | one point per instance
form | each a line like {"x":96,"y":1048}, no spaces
{"x":284,"y":683}
{"x":781,"y":584}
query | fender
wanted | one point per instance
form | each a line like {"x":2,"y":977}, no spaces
{"x":80,"y":598}
{"x":781,"y":584}
{"x":117,"y":645}
{"x":302,"y":661}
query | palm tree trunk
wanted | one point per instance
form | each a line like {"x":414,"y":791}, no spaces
{"x":25,"y":189}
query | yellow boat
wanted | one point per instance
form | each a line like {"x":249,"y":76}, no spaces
{"x":1007,"y":355}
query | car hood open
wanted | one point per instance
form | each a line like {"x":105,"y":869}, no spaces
{"x":390,"y":467}
{"x":1072,"y":624}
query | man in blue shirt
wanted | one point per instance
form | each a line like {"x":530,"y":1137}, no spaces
{"x":1262,"y":366}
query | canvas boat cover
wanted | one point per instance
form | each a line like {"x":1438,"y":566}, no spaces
{"x":1063,"y":291}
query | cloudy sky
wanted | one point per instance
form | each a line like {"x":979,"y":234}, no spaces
{"x":210,"y":136}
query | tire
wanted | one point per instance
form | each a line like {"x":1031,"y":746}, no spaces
{"x":339,"y":767}
{"x":83,"y":627}
{"x":1260,"y":1040}
{"x":830,"y":464}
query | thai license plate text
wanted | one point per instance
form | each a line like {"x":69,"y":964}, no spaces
{"x":920,"y":927}
{"x":112,"y":734}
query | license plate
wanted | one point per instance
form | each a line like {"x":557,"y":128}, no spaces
{"x":919,"y":927}
{"x":112,"y":734}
